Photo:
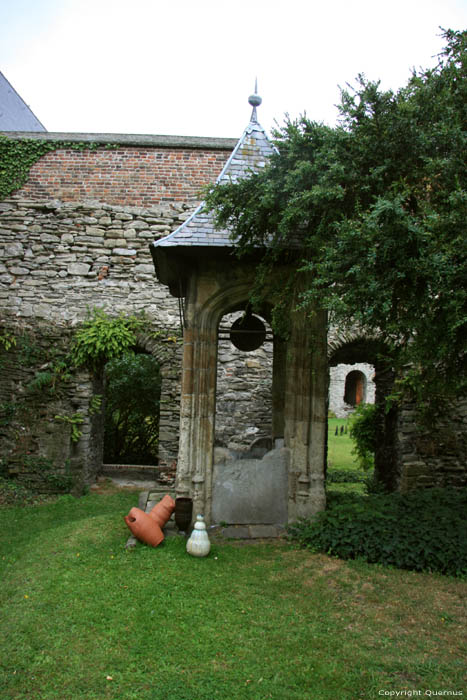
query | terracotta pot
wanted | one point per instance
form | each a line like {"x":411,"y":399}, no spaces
{"x":163,"y":510}
{"x":183,"y":513}
{"x":144,"y":528}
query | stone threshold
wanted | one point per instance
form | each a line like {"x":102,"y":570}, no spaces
{"x":248,"y":532}
{"x":148,"y":499}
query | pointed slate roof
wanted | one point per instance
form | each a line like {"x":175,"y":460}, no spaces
{"x":15,"y":115}
{"x":251,"y":153}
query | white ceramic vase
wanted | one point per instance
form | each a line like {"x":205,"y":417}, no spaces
{"x":198,"y":544}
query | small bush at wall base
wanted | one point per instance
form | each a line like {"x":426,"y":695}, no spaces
{"x":422,"y":530}
{"x":345,"y":476}
{"x":13,"y":493}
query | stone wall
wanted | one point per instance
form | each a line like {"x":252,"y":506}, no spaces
{"x":64,"y":251}
{"x":337,"y":377}
{"x":243,"y":407}
{"x":60,"y":258}
{"x":435,"y":456}
{"x":40,"y":421}
{"x":76,"y":236}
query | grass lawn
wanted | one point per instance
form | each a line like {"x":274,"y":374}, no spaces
{"x":82,"y":618}
{"x":340,"y":446}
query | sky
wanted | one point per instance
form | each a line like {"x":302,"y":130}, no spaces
{"x":187,"y":67}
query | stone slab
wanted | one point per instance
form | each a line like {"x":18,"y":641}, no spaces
{"x":251,"y":491}
{"x":236,"y":533}
{"x":265,"y":531}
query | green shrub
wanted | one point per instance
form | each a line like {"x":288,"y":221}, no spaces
{"x":422,"y":530}
{"x":345,"y":476}
{"x":132,"y":409}
{"x":102,"y":338}
{"x":364,"y":433}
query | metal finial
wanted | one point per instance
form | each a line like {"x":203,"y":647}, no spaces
{"x":255,"y":101}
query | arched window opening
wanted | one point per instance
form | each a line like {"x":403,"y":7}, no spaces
{"x":132,"y":410}
{"x":244,"y":379}
{"x":355,"y":388}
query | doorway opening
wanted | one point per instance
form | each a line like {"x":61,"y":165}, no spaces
{"x":132,"y":410}
{"x":355,"y":388}
{"x":244,"y":383}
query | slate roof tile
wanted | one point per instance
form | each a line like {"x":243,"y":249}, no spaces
{"x":251,"y":153}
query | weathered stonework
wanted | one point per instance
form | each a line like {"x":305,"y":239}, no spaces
{"x":337,"y":381}
{"x":59,"y":258}
{"x":77,"y":236}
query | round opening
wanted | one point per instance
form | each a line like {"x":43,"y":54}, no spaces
{"x":248,"y":333}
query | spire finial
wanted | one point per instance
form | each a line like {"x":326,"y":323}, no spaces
{"x":255,"y":101}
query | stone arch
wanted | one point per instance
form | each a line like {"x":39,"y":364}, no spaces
{"x":353,"y":347}
{"x":299,"y":390}
{"x":234,"y":296}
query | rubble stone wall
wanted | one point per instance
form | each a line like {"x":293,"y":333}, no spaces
{"x":75,"y":237}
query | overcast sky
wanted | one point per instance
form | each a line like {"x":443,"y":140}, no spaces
{"x":186,"y":67}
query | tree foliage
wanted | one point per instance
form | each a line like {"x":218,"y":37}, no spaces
{"x":102,"y":338}
{"x":364,"y":434}
{"x":132,"y":409}
{"x":375,"y":210}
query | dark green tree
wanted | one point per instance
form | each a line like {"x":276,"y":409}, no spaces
{"x":132,"y":408}
{"x":375,"y":209}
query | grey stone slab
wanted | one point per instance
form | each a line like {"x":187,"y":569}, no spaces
{"x":236,"y":533}
{"x":251,"y":491}
{"x":265,"y":531}
{"x":143,"y":499}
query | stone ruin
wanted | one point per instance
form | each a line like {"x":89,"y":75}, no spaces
{"x":238,"y":430}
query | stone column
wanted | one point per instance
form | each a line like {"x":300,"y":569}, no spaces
{"x":197,"y":414}
{"x":278,"y":388}
{"x":387,"y":462}
{"x":305,"y":414}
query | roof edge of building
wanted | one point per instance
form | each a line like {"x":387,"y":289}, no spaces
{"x":156,"y":141}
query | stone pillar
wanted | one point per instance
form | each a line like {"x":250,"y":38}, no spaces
{"x":197,"y":414}
{"x":387,"y":462}
{"x":278,"y":388}
{"x":305,"y":414}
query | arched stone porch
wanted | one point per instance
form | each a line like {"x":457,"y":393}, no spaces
{"x":299,"y":391}
{"x":198,"y":264}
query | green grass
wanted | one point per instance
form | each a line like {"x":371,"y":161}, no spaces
{"x":340,"y":446}
{"x":82,"y":618}
{"x":340,"y":459}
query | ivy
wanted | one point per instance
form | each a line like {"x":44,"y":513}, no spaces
{"x":74,"y":422}
{"x":421,"y":530}
{"x":18,"y":156}
{"x":51,"y":379}
{"x":7,"y":340}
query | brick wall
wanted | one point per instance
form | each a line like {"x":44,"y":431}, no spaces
{"x":129,"y":175}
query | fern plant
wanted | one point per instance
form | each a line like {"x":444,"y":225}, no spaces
{"x":102,"y":338}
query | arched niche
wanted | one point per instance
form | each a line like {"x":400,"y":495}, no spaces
{"x":355,"y":388}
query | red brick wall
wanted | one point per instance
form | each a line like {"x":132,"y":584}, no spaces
{"x":134,"y":176}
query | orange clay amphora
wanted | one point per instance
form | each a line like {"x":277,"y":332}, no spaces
{"x":162,"y":511}
{"x":144,"y":528}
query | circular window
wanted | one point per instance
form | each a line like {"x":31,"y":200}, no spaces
{"x":248,"y":333}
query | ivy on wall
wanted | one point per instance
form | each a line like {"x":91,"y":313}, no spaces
{"x":17,"y":156}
